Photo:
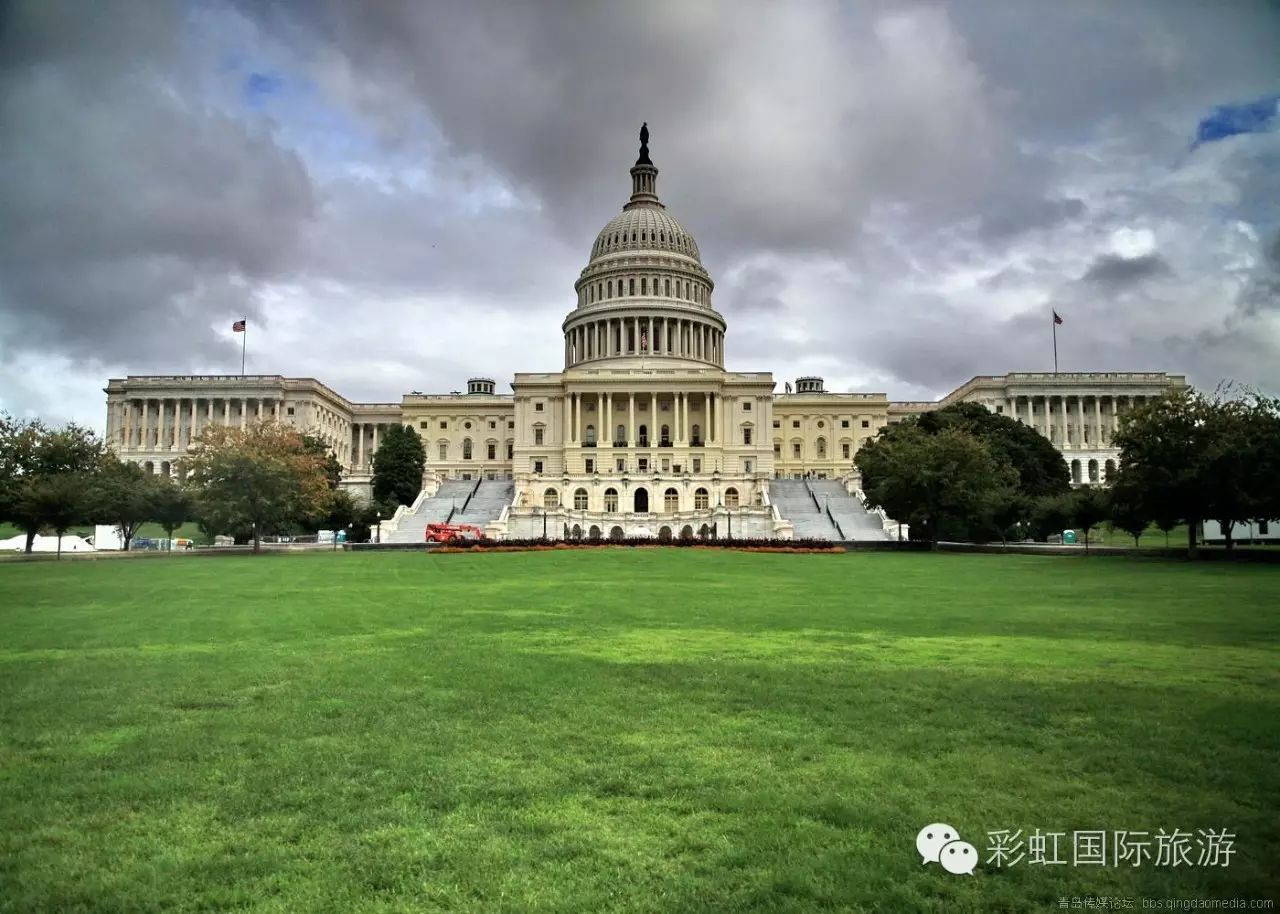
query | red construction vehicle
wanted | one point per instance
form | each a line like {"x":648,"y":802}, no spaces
{"x":453,"y":533}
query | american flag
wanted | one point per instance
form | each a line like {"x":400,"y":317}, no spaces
{"x":1056,"y":319}
{"x":238,"y":327}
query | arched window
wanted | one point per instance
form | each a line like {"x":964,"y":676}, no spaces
{"x":444,"y":450}
{"x":631,"y":284}
{"x":696,"y":432}
{"x":611,"y":499}
{"x":644,"y":285}
{"x":671,"y":501}
{"x":580,"y":499}
{"x":1075,"y":471}
{"x":665,"y":435}
{"x":551,"y":498}
{"x":821,"y":444}
{"x":666,"y":287}
{"x":1093,"y":471}
{"x":611,"y":288}
{"x":620,"y":438}
{"x":701,"y":500}
{"x":644,"y":436}
{"x":591,"y":434}
{"x":1110,"y":467}
{"x":731,"y":498}
{"x":466,"y":448}
{"x":686,"y":290}
{"x":591,"y":294}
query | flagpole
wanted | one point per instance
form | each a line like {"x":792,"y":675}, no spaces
{"x":244,"y":343}
{"x":1055,"y":345}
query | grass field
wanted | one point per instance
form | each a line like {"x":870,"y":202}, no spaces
{"x":629,"y":730}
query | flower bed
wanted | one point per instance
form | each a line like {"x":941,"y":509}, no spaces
{"x":741,"y":545}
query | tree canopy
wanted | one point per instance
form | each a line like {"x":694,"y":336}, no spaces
{"x":261,"y":478}
{"x":397,"y":466}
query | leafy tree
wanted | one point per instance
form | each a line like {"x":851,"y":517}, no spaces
{"x":172,"y":505}
{"x":261,"y":478}
{"x":332,"y":468}
{"x":46,"y":474}
{"x":1002,"y":510}
{"x":1129,"y":516}
{"x":1040,"y":467}
{"x":928,"y":479}
{"x":1051,"y":514}
{"x":1089,"y":507}
{"x":397,"y":466}
{"x":1189,"y":456}
{"x":124,"y":496}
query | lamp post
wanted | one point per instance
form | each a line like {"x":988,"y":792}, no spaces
{"x":378,"y":528}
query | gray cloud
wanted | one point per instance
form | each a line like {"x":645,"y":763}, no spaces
{"x":1113,"y":269}
{"x":891,"y":195}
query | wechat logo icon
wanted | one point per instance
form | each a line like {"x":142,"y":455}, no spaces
{"x":940,"y":843}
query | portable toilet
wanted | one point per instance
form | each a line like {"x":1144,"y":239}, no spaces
{"x":1069,"y":537}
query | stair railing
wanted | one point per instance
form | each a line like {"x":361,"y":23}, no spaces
{"x":835,"y":523}
{"x":473,"y":491}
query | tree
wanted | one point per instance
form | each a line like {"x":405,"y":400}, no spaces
{"x":1050,"y":514}
{"x":1193,"y":457}
{"x":1038,"y":464}
{"x":172,"y":505}
{"x":928,"y":479}
{"x":46,"y":474}
{"x":332,"y":468}
{"x":397,"y":466}
{"x":261,"y":478}
{"x":1128,"y":515}
{"x":1089,"y":507}
{"x":124,"y":496}
{"x":1003,"y":509}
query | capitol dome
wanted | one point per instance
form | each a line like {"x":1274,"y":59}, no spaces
{"x":644,"y":292}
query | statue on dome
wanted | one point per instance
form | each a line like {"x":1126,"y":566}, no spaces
{"x":644,"y":145}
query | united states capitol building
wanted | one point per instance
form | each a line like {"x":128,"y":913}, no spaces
{"x":643,"y":433}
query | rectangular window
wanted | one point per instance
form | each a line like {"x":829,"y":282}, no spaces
{"x":666,"y":464}
{"x":537,"y":407}
{"x":844,"y":423}
{"x":511,"y":425}
{"x":777,"y":449}
{"x":289,"y":411}
{"x":844,"y":449}
{"x":866,"y":423}
{"x":511,"y":450}
{"x":697,"y":464}
{"x":746,"y":436}
{"x":444,"y":424}
{"x":643,"y":464}
{"x":795,"y":451}
{"x":777,"y":423}
{"x":591,"y":465}
{"x":537,"y":466}
{"x":795,"y":423}
{"x":493,"y":452}
{"x":999,"y":410}
{"x":537,"y":436}
{"x":746,"y":406}
{"x":493,"y":424}
{"x":746,"y":466}
{"x":622,"y":464}
{"x":423,"y":424}
{"x":1263,"y":528}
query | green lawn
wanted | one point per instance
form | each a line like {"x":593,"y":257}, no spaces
{"x":630,"y":730}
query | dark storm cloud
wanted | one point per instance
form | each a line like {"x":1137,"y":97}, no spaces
{"x":1114,"y":270}
{"x":134,"y":216}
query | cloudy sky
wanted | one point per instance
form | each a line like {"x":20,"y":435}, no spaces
{"x":400,"y":194}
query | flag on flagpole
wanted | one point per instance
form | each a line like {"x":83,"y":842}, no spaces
{"x":238,"y":327}
{"x":1056,"y":319}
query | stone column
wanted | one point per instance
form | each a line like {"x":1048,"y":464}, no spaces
{"x":144,"y":439}
{"x":226,"y":411}
{"x":1062,"y":409}
{"x":244,"y":412}
{"x":577,"y":418}
{"x":605,"y":439}
{"x":711,"y":418}
{"x":631,"y":419}
{"x":1097,"y":421}
{"x":374,"y":452}
{"x":192,"y":431}
{"x":568,"y":417}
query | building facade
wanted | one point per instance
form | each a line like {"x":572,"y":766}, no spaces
{"x":643,"y":425}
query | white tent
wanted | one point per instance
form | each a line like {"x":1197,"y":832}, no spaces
{"x":70,"y":543}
